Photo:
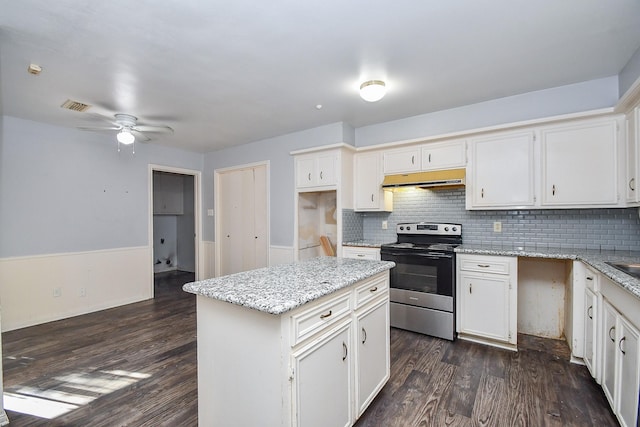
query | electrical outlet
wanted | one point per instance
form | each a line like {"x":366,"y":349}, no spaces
{"x":497,"y":227}
{"x":83,"y":292}
{"x":385,"y":225}
{"x":57,"y":292}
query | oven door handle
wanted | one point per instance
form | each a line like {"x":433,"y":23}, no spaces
{"x":433,"y":255}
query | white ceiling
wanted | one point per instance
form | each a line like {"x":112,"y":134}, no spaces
{"x":223,"y":73}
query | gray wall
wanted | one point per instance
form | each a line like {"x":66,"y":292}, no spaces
{"x":65,"y":190}
{"x":609,"y":229}
{"x":629,"y":74}
{"x":186,"y":229}
{"x":590,"y":95}
{"x":276,"y":150}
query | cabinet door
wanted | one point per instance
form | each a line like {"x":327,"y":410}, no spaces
{"x":609,"y":317}
{"x":322,"y":380}
{"x":590,"y":312}
{"x":627,"y":406}
{"x":580,"y":163}
{"x":369,"y":195}
{"x":305,"y":172}
{"x":502,"y":171}
{"x":326,"y":172}
{"x":401,"y":160}
{"x":632,"y":122}
{"x":444,"y":155}
{"x":484,"y":303}
{"x":372,"y":361}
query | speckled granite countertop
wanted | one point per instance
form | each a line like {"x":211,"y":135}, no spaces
{"x":364,"y":244}
{"x":281,"y":288}
{"x":594,"y":258}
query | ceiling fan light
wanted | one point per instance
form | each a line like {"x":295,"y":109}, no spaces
{"x":373,"y":90}
{"x":125,"y":137}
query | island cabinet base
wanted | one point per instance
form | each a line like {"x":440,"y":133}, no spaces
{"x":320,"y":364}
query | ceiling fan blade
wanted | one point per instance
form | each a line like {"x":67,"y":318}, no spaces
{"x":140,"y":136}
{"x":154,"y":129}
{"x":99,"y":128}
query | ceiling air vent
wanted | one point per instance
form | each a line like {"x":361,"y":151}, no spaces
{"x":75,"y":106}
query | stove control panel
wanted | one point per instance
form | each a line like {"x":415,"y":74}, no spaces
{"x":429,"y":228}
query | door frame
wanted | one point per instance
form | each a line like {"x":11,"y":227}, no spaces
{"x":216,"y":206}
{"x":197,"y":216}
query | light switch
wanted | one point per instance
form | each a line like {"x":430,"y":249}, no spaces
{"x":497,"y":227}
{"x":385,"y":224}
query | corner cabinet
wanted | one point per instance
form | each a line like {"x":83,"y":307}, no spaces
{"x":368,"y":177}
{"x":580,"y":163}
{"x":320,"y":364}
{"x":487,"y":304}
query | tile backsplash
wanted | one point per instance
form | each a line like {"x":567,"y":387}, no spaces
{"x":609,"y":229}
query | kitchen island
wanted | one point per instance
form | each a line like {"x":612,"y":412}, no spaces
{"x":286,"y":345}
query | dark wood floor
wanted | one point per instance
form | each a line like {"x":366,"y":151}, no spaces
{"x":136,"y":366}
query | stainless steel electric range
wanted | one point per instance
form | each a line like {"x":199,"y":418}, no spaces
{"x":423,"y":281}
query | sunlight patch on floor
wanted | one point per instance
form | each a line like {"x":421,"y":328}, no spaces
{"x":68,"y":392}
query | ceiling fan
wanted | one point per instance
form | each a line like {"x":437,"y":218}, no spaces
{"x":128,"y":129}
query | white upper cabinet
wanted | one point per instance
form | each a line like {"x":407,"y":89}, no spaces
{"x":402,"y":160}
{"x":316,"y":170}
{"x":502,"y":171}
{"x":580,"y":163}
{"x":632,"y":139}
{"x":444,"y":155}
{"x":368,"y":192}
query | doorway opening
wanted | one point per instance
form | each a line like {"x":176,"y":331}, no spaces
{"x":174,"y":228}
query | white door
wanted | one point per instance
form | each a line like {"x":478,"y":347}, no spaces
{"x":485,"y":306}
{"x":373,"y":350}
{"x":242,"y":220}
{"x":322,"y":381}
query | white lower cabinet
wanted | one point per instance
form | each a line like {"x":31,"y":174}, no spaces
{"x":372,"y":359}
{"x":620,"y":368}
{"x":322,"y":380}
{"x":590,"y":332}
{"x":359,"y":252}
{"x":487,"y":299}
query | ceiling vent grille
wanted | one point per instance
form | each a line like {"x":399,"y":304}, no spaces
{"x":75,"y":106}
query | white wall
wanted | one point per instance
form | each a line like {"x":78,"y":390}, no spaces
{"x":74,"y":213}
{"x":590,"y":95}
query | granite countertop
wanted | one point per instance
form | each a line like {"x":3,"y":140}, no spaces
{"x":282,"y":288}
{"x":595,"y":258}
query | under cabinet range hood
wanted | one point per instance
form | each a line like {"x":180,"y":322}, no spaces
{"x":432,"y":179}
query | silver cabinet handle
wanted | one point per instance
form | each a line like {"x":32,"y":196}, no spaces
{"x":360,"y":255}
{"x":413,"y":160}
{"x":374,"y":289}
{"x":484,"y":265}
{"x":553,"y":190}
{"x":429,"y":157}
{"x":324,"y":316}
{"x":364,"y":335}
{"x":345,"y":351}
{"x":589,"y":278}
{"x":309,"y":177}
{"x":482,"y":193}
{"x":372,"y":197}
{"x":620,"y":345}
{"x":632,"y":183}
{"x":320,"y":174}
{"x":613,"y":328}
{"x":470,"y":290}
{"x":590,"y":312}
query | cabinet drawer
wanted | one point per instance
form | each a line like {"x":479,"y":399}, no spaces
{"x":371,"y":289}
{"x":361,"y":253}
{"x":308,"y":322}
{"x":495,"y":265}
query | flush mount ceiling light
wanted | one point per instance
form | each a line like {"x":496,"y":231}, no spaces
{"x":125,"y":137}
{"x":372,"y":90}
